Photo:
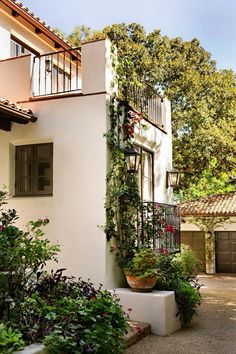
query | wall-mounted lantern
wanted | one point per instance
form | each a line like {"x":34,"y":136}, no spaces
{"x":48,"y":65}
{"x":172,"y":178}
{"x":132,"y":157}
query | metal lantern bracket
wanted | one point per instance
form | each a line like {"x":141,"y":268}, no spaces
{"x":132,"y":157}
{"x":172,"y":178}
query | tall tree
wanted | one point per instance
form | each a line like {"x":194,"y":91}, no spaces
{"x":203,"y":101}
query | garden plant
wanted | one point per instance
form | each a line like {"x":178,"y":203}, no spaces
{"x":68,"y":315}
{"x":173,"y":276}
{"x":125,"y":210}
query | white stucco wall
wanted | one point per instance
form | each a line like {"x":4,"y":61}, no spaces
{"x":16,"y":73}
{"x":5,"y":40}
{"x":76,"y":127}
{"x":160,"y":144}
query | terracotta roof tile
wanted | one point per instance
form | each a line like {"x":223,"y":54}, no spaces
{"x":38,"y":19}
{"x":212,"y":205}
{"x":27,"y":111}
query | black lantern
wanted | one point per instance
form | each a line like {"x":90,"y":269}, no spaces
{"x":48,"y":65}
{"x":132,"y":157}
{"x":172,"y":178}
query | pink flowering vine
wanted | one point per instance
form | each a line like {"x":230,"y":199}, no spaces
{"x":170,"y":229}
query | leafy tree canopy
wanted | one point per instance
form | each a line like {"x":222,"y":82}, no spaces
{"x":203,"y":100}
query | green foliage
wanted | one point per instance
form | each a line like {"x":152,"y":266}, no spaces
{"x":96,"y":325}
{"x":81,"y":34}
{"x":208,"y":183}
{"x":171,"y":276}
{"x":144,"y":263}
{"x":188,"y":300}
{"x":70,"y":316}
{"x":22,"y":253}
{"x":10,"y":340}
{"x":122,"y":199}
{"x":189,"y":262}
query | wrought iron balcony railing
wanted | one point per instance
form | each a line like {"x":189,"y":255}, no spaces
{"x":159,"y":227}
{"x":56,"y":73}
{"x":145,"y":100}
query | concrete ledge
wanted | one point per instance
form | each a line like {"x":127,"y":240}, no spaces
{"x":136,"y":331}
{"x":157,"y":308}
{"x":33,"y":349}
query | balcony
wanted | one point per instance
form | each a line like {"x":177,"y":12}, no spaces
{"x":145,"y":100}
{"x":56,"y":73}
{"x":158,"y":227}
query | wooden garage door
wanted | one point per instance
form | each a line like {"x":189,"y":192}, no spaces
{"x":196,"y":241}
{"x":226,"y":252}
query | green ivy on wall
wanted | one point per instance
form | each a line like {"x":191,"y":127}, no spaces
{"x":122,"y":199}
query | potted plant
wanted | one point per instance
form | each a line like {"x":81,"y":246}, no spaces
{"x":141,"y":271}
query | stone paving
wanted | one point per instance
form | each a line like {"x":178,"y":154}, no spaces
{"x":213,"y":331}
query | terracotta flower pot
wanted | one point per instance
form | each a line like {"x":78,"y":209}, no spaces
{"x":141,"y":285}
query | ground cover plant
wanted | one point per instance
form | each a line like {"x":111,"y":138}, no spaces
{"x":68,"y":315}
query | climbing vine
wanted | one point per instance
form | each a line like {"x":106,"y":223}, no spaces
{"x":122,"y":199}
{"x":129,"y":222}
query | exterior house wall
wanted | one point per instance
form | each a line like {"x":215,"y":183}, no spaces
{"x":23,"y":31}
{"x":76,"y":126}
{"x":16,"y":73}
{"x":98,"y":57}
{"x":160,"y":144}
{"x":21,"y":71}
{"x":5,"y":40}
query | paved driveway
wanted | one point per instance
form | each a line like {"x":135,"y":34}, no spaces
{"x":213,"y":331}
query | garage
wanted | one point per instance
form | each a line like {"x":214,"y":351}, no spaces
{"x":208,"y":226}
{"x":226,"y":252}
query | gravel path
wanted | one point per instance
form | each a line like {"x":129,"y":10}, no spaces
{"x":213,"y":331}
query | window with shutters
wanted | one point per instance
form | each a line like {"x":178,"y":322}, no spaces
{"x":34,"y":170}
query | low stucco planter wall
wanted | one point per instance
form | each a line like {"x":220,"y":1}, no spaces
{"x":33,"y":349}
{"x":157,"y":308}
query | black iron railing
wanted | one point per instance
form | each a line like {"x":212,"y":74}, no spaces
{"x":158,"y":226}
{"x":145,"y":100}
{"x":57,"y":72}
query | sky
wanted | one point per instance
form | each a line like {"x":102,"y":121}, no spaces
{"x":213,"y":22}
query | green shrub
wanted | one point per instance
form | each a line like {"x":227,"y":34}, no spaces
{"x":71,"y":316}
{"x":189,"y":261}
{"x":9,"y":340}
{"x":96,"y":326}
{"x":22,"y":253}
{"x":188,"y":301}
{"x":187,"y":290}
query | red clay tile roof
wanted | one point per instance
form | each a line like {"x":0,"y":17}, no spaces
{"x":38,"y":19}
{"x":24,"y":10}
{"x":212,"y":205}
{"x":17,"y":109}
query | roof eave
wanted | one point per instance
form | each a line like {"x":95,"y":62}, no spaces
{"x":207,"y":215}
{"x":36,"y":24}
{"x":17,"y":116}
